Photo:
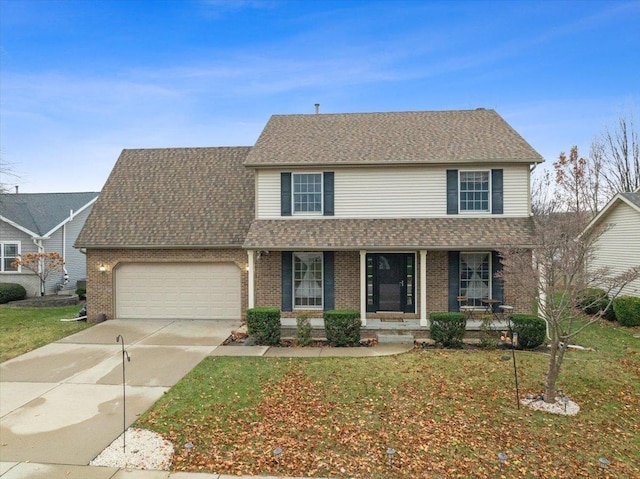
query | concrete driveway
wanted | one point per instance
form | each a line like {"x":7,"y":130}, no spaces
{"x":62,"y":403}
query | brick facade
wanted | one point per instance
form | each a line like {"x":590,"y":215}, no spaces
{"x":347,"y":285}
{"x":101,"y":285}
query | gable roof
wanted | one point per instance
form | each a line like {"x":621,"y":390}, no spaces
{"x":390,"y":234}
{"x":40,"y":214}
{"x":173,"y":197}
{"x":632,"y":199}
{"x":389,"y":138}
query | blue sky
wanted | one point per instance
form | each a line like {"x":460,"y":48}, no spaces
{"x":81,"y":80}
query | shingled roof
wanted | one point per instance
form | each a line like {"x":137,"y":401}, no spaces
{"x":175,"y":197}
{"x":389,"y":138}
{"x":41,"y":213}
{"x":410,"y":233}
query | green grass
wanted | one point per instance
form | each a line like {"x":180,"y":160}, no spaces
{"x":24,"y":329}
{"x":447,"y":413}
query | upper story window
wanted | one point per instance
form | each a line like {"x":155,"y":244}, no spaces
{"x":474,"y":191}
{"x":307,"y":193}
{"x":9,"y":251}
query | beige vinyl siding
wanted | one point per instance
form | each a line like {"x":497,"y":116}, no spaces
{"x":411,"y":192}
{"x":619,"y":246}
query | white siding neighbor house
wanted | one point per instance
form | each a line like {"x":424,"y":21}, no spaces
{"x":619,"y":246}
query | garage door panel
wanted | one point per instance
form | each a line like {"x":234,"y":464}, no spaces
{"x":189,"y":291}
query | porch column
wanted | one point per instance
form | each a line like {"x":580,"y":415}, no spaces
{"x":423,"y":287}
{"x":363,"y":287}
{"x":251,"y":287}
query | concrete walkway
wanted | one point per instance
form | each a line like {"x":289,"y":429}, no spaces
{"x":61,"y":405}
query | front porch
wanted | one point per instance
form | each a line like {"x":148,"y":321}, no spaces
{"x":375,"y":328}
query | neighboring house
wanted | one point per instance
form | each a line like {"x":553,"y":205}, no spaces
{"x":618,"y":247}
{"x":392,"y":214}
{"x":45,"y":223}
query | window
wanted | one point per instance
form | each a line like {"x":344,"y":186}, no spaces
{"x":474,"y":191}
{"x":307,"y":280}
{"x":9,"y":252}
{"x":307,"y":192}
{"x":475,"y":277}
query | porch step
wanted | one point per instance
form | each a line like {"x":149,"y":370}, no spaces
{"x":398,"y":338}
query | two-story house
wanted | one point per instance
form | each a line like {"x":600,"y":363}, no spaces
{"x":394,"y":214}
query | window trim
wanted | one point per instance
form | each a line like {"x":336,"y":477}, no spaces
{"x":2,"y":257}
{"x":293,"y":194}
{"x":489,"y":209}
{"x":489,"y":269}
{"x":293,"y":281}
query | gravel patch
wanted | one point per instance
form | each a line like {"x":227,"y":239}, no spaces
{"x":568,"y":408}
{"x":144,"y":450}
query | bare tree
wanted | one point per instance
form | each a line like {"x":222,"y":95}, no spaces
{"x":5,"y":173}
{"x":42,"y":264}
{"x":560,"y":280}
{"x":620,"y":149}
{"x":578,"y":180}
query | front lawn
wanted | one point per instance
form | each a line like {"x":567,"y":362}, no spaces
{"x":24,"y":329}
{"x":446,"y":413}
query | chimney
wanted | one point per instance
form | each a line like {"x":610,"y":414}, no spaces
{"x":317,"y":105}
{"x":16,"y":189}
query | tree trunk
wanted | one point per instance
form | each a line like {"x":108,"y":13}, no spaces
{"x":552,"y":374}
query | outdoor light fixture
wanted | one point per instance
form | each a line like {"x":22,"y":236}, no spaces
{"x":502,"y":458}
{"x":188,"y":446}
{"x":102,"y":268}
{"x":277,"y":452}
{"x":390,"y":454}
{"x":565,"y":400}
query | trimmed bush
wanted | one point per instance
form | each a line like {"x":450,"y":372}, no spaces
{"x":594,"y":300}
{"x":447,"y":329}
{"x":82,"y":293}
{"x":11,"y":292}
{"x":531,"y":330}
{"x":303,"y":331}
{"x":342,"y":327}
{"x":627,"y":309}
{"x":263,"y":324}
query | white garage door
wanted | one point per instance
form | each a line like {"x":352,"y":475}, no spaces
{"x":182,"y":291}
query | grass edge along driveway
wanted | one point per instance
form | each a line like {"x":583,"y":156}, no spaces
{"x":25,"y":329}
{"x":446,"y":413}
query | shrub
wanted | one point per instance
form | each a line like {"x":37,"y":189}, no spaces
{"x":531,"y":330}
{"x":627,"y":309}
{"x":447,"y":329}
{"x":263,"y":324}
{"x":488,"y":338}
{"x":342,"y":327}
{"x":594,"y":300}
{"x":303,"y":331}
{"x":82,"y":293}
{"x":11,"y":292}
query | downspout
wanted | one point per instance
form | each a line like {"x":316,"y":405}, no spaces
{"x":38,"y":243}
{"x":65,"y":277}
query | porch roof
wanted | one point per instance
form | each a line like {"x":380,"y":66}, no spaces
{"x":390,"y":234}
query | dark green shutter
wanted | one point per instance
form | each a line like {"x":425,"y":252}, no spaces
{"x":454,"y":280}
{"x":287,"y":281}
{"x":497,"y":203}
{"x":328,"y":282}
{"x":285,"y":194}
{"x":452,"y":192}
{"x":497,"y":286}
{"x":328,"y":193}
